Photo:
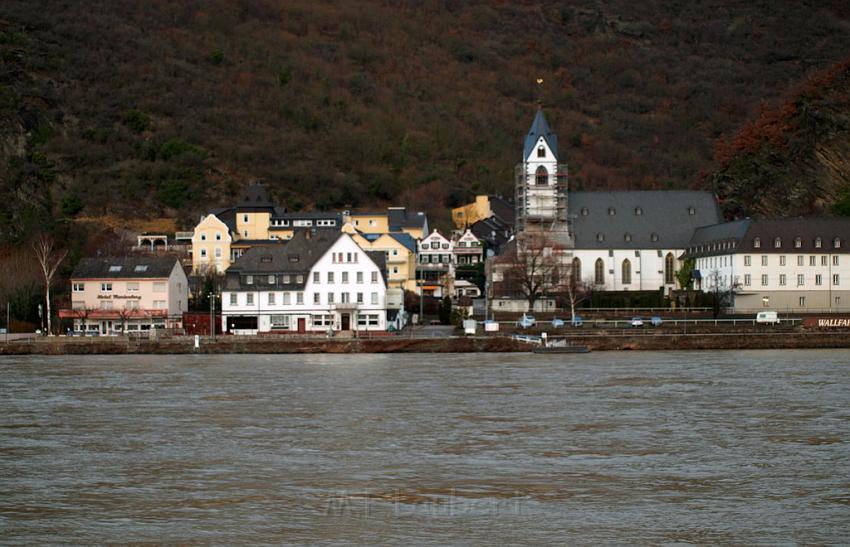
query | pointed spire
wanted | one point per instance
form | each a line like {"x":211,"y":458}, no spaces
{"x":540,"y":128}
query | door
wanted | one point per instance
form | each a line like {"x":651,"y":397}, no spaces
{"x":346,"y":321}
{"x":302,"y":325}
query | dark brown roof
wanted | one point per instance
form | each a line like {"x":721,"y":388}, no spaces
{"x":741,"y":236}
{"x":125,"y":267}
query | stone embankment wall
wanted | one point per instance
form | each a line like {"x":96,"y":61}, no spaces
{"x":596,"y":341}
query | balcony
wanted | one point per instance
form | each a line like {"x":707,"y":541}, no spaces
{"x":345,"y":306}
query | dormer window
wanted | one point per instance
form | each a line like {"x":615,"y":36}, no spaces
{"x":757,"y":243}
{"x":777,"y":243}
{"x":541,"y":152}
{"x":653,"y":237}
{"x":116,"y":268}
{"x":584,"y":211}
{"x":612,"y":211}
{"x":818,"y":243}
{"x":798,"y":242}
{"x":638,"y":211}
{"x":837,"y":243}
{"x":600,"y":237}
{"x":627,"y":237}
{"x":692,"y":211}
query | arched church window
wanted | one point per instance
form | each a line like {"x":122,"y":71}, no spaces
{"x":627,"y":272}
{"x":541,"y":177}
{"x":669,"y":265}
{"x":599,"y":272}
{"x":576,"y":272}
{"x":541,"y":152}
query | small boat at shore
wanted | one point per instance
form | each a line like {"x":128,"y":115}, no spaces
{"x":561,"y":349}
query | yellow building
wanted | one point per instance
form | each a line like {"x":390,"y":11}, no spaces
{"x":482,"y":208}
{"x":400,"y":251}
{"x":395,"y":219}
{"x":223,"y":235}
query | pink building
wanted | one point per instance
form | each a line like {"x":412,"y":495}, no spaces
{"x":115,"y":295}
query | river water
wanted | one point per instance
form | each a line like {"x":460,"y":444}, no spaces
{"x":638,"y":447}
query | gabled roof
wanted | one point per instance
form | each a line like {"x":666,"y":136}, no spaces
{"x":399,"y":217}
{"x":141,"y":267}
{"x":539,"y":128}
{"x":405,"y":239}
{"x":255,"y":196}
{"x":502,"y":209}
{"x":659,"y":219}
{"x":298,"y":254}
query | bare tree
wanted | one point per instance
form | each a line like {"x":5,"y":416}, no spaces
{"x":49,"y":259}
{"x":533,"y":268}
{"x":83,"y":314}
{"x":576,"y":292}
{"x":124,"y":314}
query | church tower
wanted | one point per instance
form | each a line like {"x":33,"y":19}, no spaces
{"x":541,"y":186}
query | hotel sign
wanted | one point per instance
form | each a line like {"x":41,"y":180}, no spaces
{"x":828,"y":323}
{"x":125,"y":296}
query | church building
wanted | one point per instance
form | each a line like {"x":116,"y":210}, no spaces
{"x":610,"y":241}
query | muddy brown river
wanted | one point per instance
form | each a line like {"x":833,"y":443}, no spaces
{"x":484,"y":449}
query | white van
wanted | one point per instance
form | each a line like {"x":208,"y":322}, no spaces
{"x":768,"y":317}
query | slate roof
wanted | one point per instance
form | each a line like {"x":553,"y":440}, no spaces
{"x":255,"y":196}
{"x":295,"y":255}
{"x":658,"y":219}
{"x":141,"y":267}
{"x":405,"y":239}
{"x":503,"y":209}
{"x":399,"y":217}
{"x":308,"y":215}
{"x":539,"y":128}
{"x":710,"y":240}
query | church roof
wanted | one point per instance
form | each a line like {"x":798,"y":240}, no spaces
{"x":654,"y":219}
{"x":540,"y":128}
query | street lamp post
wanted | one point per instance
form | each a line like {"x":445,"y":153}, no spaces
{"x":212,"y":316}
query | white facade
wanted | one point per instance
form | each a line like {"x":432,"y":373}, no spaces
{"x":628,"y":269}
{"x":793,"y":281}
{"x":435,"y":264}
{"x":343,"y":291}
{"x":541,"y":167}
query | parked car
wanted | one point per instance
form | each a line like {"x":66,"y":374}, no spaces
{"x":655,"y":321}
{"x":526,"y":321}
{"x":768,"y":317}
{"x":637,"y":322}
{"x":577,"y":321}
{"x":557,"y":323}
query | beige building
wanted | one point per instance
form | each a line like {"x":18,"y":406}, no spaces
{"x":395,"y":219}
{"x":399,"y":249}
{"x":116,"y":295}
{"x":223,"y":235}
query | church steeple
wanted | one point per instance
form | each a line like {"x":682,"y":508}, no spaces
{"x":541,"y":184}
{"x":540,"y":129}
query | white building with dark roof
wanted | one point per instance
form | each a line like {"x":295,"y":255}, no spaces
{"x":632,"y":240}
{"x":795,"y":264}
{"x":318,"y":281}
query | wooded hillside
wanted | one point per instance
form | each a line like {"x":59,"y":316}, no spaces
{"x":162,"y":108}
